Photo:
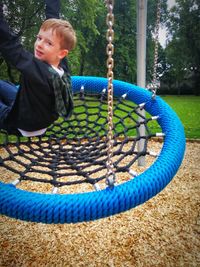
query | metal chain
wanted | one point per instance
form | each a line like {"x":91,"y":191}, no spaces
{"x":110,"y":64}
{"x":154,"y":84}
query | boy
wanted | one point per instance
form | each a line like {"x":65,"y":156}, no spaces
{"x":45,"y":85}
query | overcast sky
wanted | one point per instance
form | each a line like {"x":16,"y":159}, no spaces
{"x":171,"y":3}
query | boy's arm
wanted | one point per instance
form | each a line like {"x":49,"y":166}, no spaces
{"x":52,"y":9}
{"x":1,"y":10}
{"x":10,"y":47}
{"x":5,"y":32}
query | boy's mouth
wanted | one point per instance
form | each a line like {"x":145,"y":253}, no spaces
{"x":38,"y":53}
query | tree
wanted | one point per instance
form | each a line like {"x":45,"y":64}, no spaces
{"x":84,"y":15}
{"x":24,"y":18}
{"x":183,"y":49}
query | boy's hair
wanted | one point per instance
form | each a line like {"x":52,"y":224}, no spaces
{"x":64,"y":31}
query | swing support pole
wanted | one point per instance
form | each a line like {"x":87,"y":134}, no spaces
{"x":141,"y":64}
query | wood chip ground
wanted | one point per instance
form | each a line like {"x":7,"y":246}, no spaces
{"x":163,"y":232}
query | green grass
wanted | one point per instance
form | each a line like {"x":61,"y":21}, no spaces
{"x":188,"y":110}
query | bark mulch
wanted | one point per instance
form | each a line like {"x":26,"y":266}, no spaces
{"x":165,"y":231}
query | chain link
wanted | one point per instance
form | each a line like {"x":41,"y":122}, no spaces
{"x":154,"y":83}
{"x":110,"y":64}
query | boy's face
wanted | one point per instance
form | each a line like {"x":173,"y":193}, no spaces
{"x":47,"y":47}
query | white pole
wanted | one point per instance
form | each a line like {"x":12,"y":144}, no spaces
{"x":141,"y":63}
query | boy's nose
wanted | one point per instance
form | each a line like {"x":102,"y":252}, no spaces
{"x":40,"y":43}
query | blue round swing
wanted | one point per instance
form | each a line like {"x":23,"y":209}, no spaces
{"x":86,"y":206}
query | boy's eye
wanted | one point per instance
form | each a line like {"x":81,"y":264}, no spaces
{"x":38,"y":37}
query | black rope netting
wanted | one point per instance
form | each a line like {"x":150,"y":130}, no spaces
{"x":74,"y":151}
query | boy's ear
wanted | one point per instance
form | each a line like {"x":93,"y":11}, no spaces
{"x":63,"y":53}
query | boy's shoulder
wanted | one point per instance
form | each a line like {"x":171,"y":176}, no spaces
{"x":59,"y":78}
{"x":60,"y":72}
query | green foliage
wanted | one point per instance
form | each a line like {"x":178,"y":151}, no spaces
{"x":84,"y":16}
{"x":125,"y":40}
{"x":183,"y":50}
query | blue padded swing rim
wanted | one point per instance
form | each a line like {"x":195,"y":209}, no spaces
{"x":72,"y":208}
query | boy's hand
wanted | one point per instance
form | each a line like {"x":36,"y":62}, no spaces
{"x":1,"y":10}
{"x":52,"y":9}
